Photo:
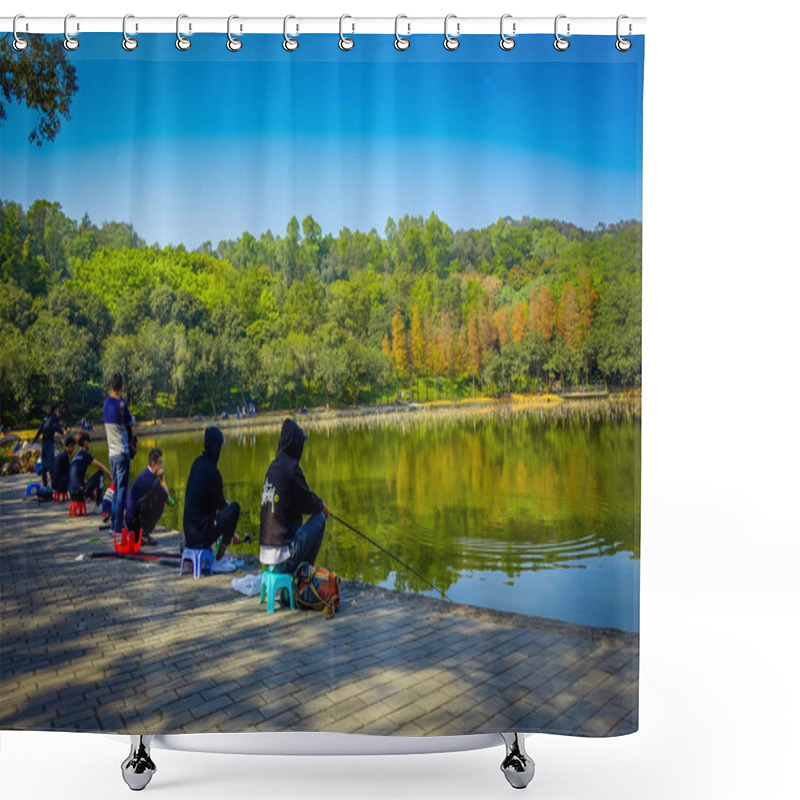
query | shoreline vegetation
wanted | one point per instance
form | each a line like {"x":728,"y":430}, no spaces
{"x":310,"y":318}
{"x":547,"y":408}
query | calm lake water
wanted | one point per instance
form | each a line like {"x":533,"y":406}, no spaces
{"x":509,"y":514}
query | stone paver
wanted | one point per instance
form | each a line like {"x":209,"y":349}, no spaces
{"x":129,"y":647}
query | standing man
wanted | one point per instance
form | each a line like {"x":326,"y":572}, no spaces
{"x":50,"y":426}
{"x":285,"y":540}
{"x":207,"y":516}
{"x":147,"y":497}
{"x":118,"y":422}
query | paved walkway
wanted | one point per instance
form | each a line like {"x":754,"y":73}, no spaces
{"x":126,"y":647}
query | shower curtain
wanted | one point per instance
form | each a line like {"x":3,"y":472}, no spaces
{"x":429,"y":258}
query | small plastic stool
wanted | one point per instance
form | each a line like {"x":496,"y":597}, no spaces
{"x":77,"y":508}
{"x":271,"y":582}
{"x":197,"y":557}
{"x":128,"y":542}
{"x":60,"y":497}
{"x":32,"y":487}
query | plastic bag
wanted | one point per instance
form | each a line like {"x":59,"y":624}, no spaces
{"x":248,"y":585}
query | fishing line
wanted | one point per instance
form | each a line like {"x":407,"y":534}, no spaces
{"x":391,"y":555}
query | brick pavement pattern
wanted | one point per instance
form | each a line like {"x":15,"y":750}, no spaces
{"x":127,"y":647}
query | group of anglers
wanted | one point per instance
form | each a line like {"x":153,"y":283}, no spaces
{"x":208,"y":518}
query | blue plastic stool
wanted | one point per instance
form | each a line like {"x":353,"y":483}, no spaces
{"x":32,"y":487}
{"x":197,"y":557}
{"x":271,"y":582}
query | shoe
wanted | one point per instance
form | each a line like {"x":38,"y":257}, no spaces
{"x":148,"y":541}
{"x":224,"y":564}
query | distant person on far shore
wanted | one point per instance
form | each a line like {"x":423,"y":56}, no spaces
{"x":81,"y":490}
{"x":147,"y":497}
{"x":118,"y":422}
{"x":51,"y":425}
{"x":61,"y":466}
{"x":207,"y":515}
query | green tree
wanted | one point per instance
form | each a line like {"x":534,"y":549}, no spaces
{"x":41,"y":78}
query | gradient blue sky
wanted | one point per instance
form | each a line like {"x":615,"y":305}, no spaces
{"x":206,"y":144}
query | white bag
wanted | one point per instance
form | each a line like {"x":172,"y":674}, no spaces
{"x":248,"y":585}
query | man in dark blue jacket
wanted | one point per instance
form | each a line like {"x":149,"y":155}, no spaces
{"x":61,"y":466}
{"x":147,"y":497}
{"x":207,"y":515}
{"x":286,"y":497}
{"x":47,"y":430}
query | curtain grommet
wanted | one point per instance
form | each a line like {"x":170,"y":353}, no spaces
{"x":289,"y":43}
{"x":20,"y":42}
{"x":561,"y":44}
{"x":233,"y":44}
{"x":401,"y":43}
{"x":128,"y":42}
{"x":181,"y":42}
{"x":507,"y":42}
{"x":451,"y":43}
{"x":70,"y":42}
{"x":622,"y":44}
{"x":345,"y":42}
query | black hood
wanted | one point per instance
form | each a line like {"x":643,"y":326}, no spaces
{"x":212,"y":445}
{"x":292,"y":439}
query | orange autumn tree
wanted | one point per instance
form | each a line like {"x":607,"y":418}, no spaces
{"x":541,"y":311}
{"x":518,"y":322}
{"x":399,"y":349}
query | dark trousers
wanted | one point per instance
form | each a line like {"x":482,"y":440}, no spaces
{"x":148,"y":511}
{"x":305,"y":545}
{"x":91,"y":490}
{"x":223,"y":528}
{"x":48,"y":460}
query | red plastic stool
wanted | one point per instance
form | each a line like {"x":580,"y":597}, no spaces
{"x":77,"y":508}
{"x":128,"y":541}
{"x":60,"y":497}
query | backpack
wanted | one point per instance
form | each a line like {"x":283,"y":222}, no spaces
{"x":44,"y":493}
{"x":316,"y":589}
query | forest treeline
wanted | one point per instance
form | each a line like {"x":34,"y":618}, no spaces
{"x":307,"y":317}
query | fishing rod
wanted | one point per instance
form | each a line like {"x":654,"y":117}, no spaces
{"x":166,"y":560}
{"x":391,"y":555}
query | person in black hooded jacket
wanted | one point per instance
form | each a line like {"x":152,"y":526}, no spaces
{"x":285,"y":541}
{"x":207,"y":515}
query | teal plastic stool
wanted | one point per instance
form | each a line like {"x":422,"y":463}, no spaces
{"x":271,"y":582}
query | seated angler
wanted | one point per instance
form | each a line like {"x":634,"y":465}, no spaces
{"x":207,"y":516}
{"x":61,"y":466}
{"x":285,"y":540}
{"x":79,"y":488}
{"x":147,"y":497}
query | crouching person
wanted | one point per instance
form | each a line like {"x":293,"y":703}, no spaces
{"x":207,"y":516}
{"x":285,"y":540}
{"x":61,"y":466}
{"x":81,"y":490}
{"x":147,"y":497}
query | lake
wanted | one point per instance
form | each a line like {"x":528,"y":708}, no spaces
{"x":514,"y":514}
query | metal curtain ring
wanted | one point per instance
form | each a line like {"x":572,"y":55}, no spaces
{"x":561,"y":43}
{"x":289,"y":44}
{"x":128,"y":42}
{"x":20,"y":42}
{"x":233,"y":44}
{"x":182,"y":43}
{"x":400,"y":42}
{"x":70,"y":42}
{"x":451,"y":42}
{"x":622,"y":44}
{"x":506,"y":42}
{"x":345,"y":43}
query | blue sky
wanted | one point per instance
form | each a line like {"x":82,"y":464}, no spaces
{"x":205,"y":144}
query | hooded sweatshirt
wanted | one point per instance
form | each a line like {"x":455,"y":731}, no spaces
{"x":286,"y":496}
{"x":204,"y":495}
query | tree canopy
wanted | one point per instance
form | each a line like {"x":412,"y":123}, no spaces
{"x":307,"y":317}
